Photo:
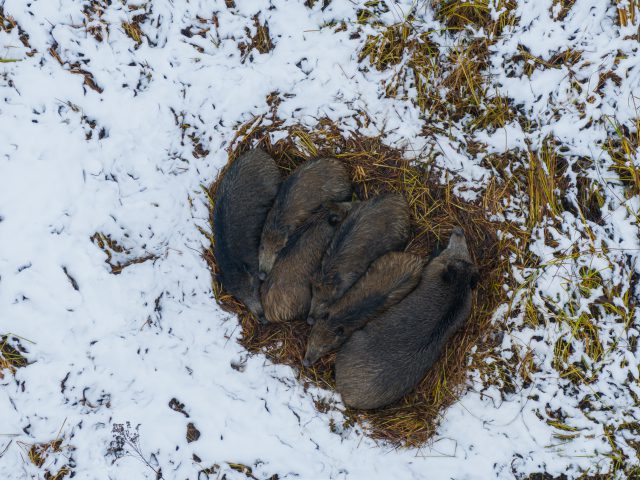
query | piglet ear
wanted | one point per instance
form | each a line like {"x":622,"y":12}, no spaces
{"x":473,"y":279}
{"x":448,"y":274}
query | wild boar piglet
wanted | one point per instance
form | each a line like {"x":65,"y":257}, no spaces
{"x":371,"y":229}
{"x":286,"y":292}
{"x":388,"y":280}
{"x":389,"y":357}
{"x":311,"y":185}
{"x":244,"y":197}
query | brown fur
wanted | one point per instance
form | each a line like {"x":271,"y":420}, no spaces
{"x":286,"y":292}
{"x":387,"y":281}
{"x":244,"y":197}
{"x":391,"y":354}
{"x":372,"y":228}
{"x":311,"y":185}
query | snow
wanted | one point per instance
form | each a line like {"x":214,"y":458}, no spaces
{"x":121,"y":347}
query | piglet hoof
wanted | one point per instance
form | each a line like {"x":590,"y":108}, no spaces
{"x":311,"y":320}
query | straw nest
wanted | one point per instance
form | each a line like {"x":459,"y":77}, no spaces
{"x":377,"y":168}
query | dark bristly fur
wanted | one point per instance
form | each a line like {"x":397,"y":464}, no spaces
{"x":389,"y":357}
{"x":314,"y":183}
{"x":245,"y":194}
{"x":372,"y":228}
{"x":388,"y":280}
{"x":286,"y":292}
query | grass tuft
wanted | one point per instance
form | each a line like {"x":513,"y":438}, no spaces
{"x":445,"y":81}
{"x":477,"y":14}
{"x":376,"y":168}
{"x":416,"y":56}
{"x":46,"y":456}
{"x":133,"y":31}
{"x":11,"y":354}
{"x":627,"y":12}
{"x":7,"y":23}
{"x":259,"y":41}
{"x":544,"y":177}
{"x":118,"y":256}
{"x":564,"y":58}
{"x":561,"y":8}
{"x":458,"y":15}
{"x":94,"y":22}
{"x":624,"y":149}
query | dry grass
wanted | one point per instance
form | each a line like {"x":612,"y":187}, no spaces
{"x":41,"y":455}
{"x":94,"y":22}
{"x":118,"y":256}
{"x":567,"y":58}
{"x":46,"y":456}
{"x":260,"y":40}
{"x":418,"y":58}
{"x":628,"y":11}
{"x":624,"y":149}
{"x":562,"y":8}
{"x":463,"y":14}
{"x":133,"y":30}
{"x":75,"y":68}
{"x":11,"y":354}
{"x":139,"y":14}
{"x":423,"y":69}
{"x":544,"y":176}
{"x":376,"y":168}
{"x":8,"y":23}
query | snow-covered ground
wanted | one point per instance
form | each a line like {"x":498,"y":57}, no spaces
{"x":103,"y":133}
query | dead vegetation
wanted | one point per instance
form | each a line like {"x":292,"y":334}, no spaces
{"x":8,"y":23}
{"x":259,"y":40}
{"x":561,"y":8}
{"x":38,"y":454}
{"x":12,"y":354}
{"x":445,"y":80}
{"x":376,"y":168}
{"x":475,"y":14}
{"x":623,"y":148}
{"x":75,"y":68}
{"x":133,"y":30}
{"x":139,"y":15}
{"x":94,"y":23}
{"x":47,"y":457}
{"x":118,"y":256}
{"x":567,"y":58}
{"x":628,"y":11}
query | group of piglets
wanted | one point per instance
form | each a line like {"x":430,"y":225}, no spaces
{"x":299,"y":248}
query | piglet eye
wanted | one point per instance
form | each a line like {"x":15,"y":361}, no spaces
{"x":339,"y":331}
